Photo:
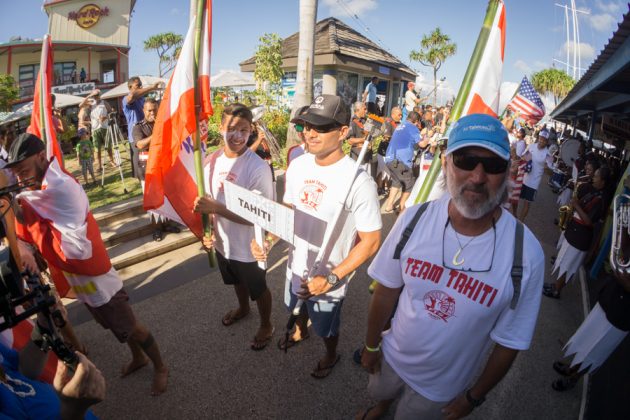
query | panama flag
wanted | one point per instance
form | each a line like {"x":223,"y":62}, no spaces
{"x":484,"y":92}
{"x":170,"y":174}
{"x":42,"y":119}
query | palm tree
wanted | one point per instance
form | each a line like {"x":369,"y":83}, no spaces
{"x":435,"y":48}
{"x":553,"y":82}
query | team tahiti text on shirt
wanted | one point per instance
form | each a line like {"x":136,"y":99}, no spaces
{"x":464,"y":284}
{"x":312,"y":193}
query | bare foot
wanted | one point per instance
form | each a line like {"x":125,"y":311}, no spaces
{"x":133,"y":366}
{"x":160,"y":381}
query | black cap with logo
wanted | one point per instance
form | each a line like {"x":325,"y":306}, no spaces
{"x":327,"y":110}
{"x":25,"y":146}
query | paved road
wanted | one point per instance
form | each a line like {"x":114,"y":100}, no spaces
{"x":214,"y":374}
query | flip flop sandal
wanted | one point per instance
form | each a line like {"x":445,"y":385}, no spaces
{"x":548,"y":286}
{"x":562,"y":368}
{"x":258,"y":345}
{"x":158,"y":236}
{"x":563,"y":384}
{"x":171,"y":229}
{"x":554,"y":294}
{"x":356,"y":357}
{"x":284,"y":345}
{"x":322,"y":372}
{"x":229,"y":318}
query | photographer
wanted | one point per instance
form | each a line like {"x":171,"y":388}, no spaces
{"x":99,"y":121}
{"x":58,"y":222}
{"x":23,"y":396}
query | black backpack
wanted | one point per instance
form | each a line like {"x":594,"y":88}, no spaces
{"x":517,"y":262}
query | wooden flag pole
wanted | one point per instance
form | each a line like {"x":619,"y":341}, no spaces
{"x":462,"y":97}
{"x":201,"y":191}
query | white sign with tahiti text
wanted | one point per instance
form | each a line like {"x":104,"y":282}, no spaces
{"x":261,"y":211}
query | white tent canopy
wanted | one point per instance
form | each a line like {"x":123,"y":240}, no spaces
{"x":230,"y":78}
{"x":123,"y":90}
{"x":61,"y":101}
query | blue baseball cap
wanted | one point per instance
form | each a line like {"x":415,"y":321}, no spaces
{"x":480,"y":130}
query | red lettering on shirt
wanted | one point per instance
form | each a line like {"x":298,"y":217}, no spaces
{"x":436,"y":273}
{"x":426,"y":266}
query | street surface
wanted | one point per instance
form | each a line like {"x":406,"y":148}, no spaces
{"x":214,"y":374}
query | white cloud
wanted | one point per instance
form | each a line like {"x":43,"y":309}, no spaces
{"x":445,"y":91}
{"x":523,"y":66}
{"x":612,"y":7}
{"x":539,"y":65}
{"x":358,"y":7}
{"x":603,"y":23}
{"x":587,"y":51}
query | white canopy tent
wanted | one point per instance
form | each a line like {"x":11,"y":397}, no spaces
{"x":61,"y":101}
{"x":123,"y":90}
{"x":230,"y":78}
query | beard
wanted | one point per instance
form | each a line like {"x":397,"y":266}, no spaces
{"x":476,"y":207}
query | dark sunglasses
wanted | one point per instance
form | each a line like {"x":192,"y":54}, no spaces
{"x":322,"y":128}
{"x":299,"y":127}
{"x":491,"y":165}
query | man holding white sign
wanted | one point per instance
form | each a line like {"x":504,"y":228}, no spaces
{"x":236,"y":163}
{"x":316,"y":185}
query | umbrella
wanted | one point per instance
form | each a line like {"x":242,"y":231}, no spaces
{"x":61,"y":101}
{"x":123,"y":90}
{"x":229,"y":78}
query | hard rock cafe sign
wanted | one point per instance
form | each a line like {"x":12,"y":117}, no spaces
{"x":88,"y":15}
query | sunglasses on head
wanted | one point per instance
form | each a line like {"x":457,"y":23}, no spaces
{"x":491,"y":165}
{"x":322,"y":128}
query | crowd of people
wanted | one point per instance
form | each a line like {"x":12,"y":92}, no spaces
{"x":464,"y":258}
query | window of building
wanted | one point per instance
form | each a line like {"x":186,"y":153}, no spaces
{"x":27,"y":79}
{"x":65,"y":73}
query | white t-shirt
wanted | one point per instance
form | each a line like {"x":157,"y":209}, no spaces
{"x":248,"y":171}
{"x":520,"y":147}
{"x":539,"y":158}
{"x":315,"y":192}
{"x":410,"y":100}
{"x":98,"y":111}
{"x":446,"y":318}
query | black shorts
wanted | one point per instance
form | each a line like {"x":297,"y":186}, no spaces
{"x":248,"y":273}
{"x":402,"y":176}
{"x":372,"y":108}
{"x":527,"y":193}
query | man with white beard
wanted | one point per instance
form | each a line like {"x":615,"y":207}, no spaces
{"x":466,"y":275}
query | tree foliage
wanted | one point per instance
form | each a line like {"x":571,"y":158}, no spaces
{"x":167,"y":45}
{"x":268,"y":73}
{"x":8,"y":91}
{"x":435,"y":48}
{"x":553,"y":82}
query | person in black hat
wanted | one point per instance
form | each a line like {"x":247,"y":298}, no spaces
{"x":316,"y":183}
{"x":58,"y":222}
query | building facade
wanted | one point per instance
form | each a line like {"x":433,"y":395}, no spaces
{"x":90,"y":47}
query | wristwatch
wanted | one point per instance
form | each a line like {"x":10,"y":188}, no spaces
{"x":472,"y":401}
{"x":332,"y":279}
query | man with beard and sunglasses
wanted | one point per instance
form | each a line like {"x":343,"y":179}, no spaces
{"x":458,"y":286}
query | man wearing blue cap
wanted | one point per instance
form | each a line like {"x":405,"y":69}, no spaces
{"x":466,"y":275}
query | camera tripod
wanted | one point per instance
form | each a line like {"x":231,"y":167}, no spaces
{"x":113,"y":139}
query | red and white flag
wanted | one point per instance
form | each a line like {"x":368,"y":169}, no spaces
{"x":16,"y":338}
{"x":484,"y":92}
{"x":58,"y":221}
{"x":170,"y":172}
{"x":42,"y":121}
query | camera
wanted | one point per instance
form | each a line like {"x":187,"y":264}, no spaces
{"x":23,"y":295}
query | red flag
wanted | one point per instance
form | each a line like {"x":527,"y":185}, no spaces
{"x":42,"y":120}
{"x":170,"y":172}
{"x":484,"y":92}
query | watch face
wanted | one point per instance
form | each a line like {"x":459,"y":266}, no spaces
{"x":332,"y":279}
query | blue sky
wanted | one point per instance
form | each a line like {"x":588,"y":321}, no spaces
{"x":535,"y":28}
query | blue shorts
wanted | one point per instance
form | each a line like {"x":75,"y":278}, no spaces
{"x":325,"y":316}
{"x":527,"y":193}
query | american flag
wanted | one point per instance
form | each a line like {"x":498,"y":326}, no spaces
{"x":528,"y":102}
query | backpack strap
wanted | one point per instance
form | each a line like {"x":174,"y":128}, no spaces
{"x":409,"y":230}
{"x":517,"y":264}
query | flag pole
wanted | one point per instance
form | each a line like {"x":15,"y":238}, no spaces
{"x":462,"y":97}
{"x":207,"y":224}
